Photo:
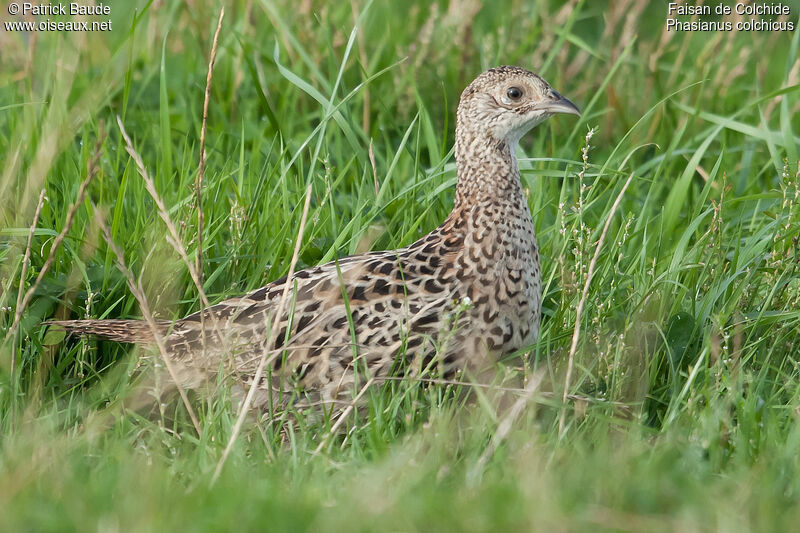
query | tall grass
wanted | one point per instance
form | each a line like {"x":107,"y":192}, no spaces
{"x":682,"y":406}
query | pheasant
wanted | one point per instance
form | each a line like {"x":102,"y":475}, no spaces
{"x":458,"y":298}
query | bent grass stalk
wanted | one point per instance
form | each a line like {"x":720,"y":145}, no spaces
{"x":201,"y":170}
{"x":25,"y":261}
{"x":265,"y":358}
{"x":584,"y":295}
{"x":92,"y":170}
{"x":138,"y":293}
{"x":172,"y":237}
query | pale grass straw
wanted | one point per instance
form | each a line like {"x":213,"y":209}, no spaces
{"x":26,"y":259}
{"x":201,"y":170}
{"x":504,"y":427}
{"x":362,"y":53}
{"x":344,"y":415}
{"x":374,"y":168}
{"x":579,"y":311}
{"x":172,"y":236}
{"x":92,"y":170}
{"x":138,"y":293}
{"x":265,"y":360}
{"x":25,"y":262}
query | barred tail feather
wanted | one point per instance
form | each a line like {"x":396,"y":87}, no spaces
{"x":131,"y":331}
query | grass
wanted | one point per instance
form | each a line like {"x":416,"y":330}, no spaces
{"x":683,"y":402}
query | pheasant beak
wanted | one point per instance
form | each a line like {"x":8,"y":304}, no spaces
{"x":560,"y":105}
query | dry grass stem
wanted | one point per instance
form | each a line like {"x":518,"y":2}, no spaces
{"x":362,"y":57}
{"x":93,"y":168}
{"x":265,"y":359}
{"x":172,"y":236}
{"x":138,"y":293}
{"x":504,"y":427}
{"x":26,"y":259}
{"x":374,"y":168}
{"x":579,"y":311}
{"x":25,"y":262}
{"x":198,"y":184}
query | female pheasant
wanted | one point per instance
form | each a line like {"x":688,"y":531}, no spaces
{"x":463,"y":295}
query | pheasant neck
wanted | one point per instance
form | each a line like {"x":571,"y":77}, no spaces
{"x":488,"y":175}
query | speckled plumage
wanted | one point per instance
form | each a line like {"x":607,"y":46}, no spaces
{"x":458,"y":298}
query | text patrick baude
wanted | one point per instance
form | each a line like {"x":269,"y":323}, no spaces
{"x":72,"y":9}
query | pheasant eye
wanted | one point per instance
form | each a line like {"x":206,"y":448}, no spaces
{"x":515,"y":93}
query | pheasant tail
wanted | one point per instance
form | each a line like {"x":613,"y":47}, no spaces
{"x":131,"y":331}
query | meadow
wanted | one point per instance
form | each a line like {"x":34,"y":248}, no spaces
{"x":668,"y":214}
